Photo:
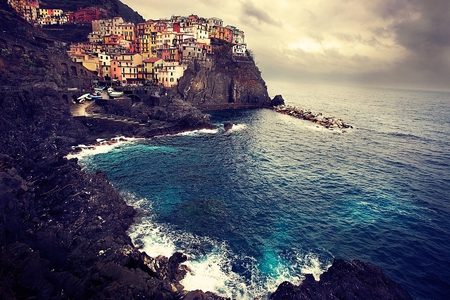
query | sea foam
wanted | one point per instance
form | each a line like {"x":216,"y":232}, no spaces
{"x":101,"y":147}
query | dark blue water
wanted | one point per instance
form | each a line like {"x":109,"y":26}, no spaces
{"x":278,"y":197}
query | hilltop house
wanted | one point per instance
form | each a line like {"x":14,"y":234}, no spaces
{"x":156,"y":50}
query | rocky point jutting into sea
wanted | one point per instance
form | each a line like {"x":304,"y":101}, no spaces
{"x":64,"y":231}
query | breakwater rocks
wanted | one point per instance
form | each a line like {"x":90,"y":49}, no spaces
{"x":327,"y":122}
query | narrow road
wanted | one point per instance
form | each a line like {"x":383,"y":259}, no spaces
{"x":79,"y":109}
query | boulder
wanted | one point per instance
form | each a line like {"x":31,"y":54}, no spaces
{"x":344,"y":280}
{"x":227,"y":126}
{"x":277,"y":100}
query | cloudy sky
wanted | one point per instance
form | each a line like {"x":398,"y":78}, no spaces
{"x":395,"y":43}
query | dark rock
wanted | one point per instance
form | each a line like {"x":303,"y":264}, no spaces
{"x":277,"y":100}
{"x":227,"y":126}
{"x":344,"y":280}
{"x":226,"y":83}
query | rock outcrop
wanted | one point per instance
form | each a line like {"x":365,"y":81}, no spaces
{"x":344,"y":280}
{"x":125,"y":117}
{"x":223,"y":81}
{"x":277,"y":100}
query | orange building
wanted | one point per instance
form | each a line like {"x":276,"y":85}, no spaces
{"x":115,"y":70}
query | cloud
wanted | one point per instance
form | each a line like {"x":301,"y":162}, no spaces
{"x":251,"y":12}
{"x":429,"y":30}
{"x":422,"y":29}
{"x":379,"y":42}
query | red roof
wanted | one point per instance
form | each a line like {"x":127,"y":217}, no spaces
{"x":152,"y":59}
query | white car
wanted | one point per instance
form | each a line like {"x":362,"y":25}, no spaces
{"x":82,"y":98}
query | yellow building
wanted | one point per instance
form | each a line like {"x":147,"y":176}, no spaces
{"x":91,"y":62}
{"x":151,"y":67}
{"x":127,"y":30}
{"x":147,"y":45}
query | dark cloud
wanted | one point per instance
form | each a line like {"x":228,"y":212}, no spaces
{"x":256,"y":13}
{"x":392,"y":9}
{"x":359,"y":39}
{"x":431,"y":30}
{"x":422,"y":28}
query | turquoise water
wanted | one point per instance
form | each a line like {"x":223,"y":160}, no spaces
{"x":277,"y":197}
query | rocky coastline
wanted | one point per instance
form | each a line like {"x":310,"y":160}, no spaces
{"x":63,"y":232}
{"x":328,"y":122}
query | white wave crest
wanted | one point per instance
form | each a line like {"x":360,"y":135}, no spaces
{"x":238,"y":127}
{"x":200,"y":131}
{"x":213,"y":270}
{"x":102,"y":146}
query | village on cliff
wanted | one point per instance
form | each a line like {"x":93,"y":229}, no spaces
{"x":153,"y":52}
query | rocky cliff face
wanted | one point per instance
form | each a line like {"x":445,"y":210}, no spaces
{"x":63,"y":231}
{"x":224,"y":82}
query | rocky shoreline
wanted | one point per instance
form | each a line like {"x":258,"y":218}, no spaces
{"x":329,"y":122}
{"x":63,"y":232}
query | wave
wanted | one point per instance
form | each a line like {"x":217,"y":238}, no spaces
{"x":101,"y":147}
{"x":213,"y":266}
{"x":238,"y":127}
{"x":199,"y":131}
{"x":397,"y":134}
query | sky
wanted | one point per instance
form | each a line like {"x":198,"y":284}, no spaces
{"x":388,"y":43}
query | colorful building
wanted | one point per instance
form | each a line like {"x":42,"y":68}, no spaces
{"x":170,"y":74}
{"x":104,"y":65}
{"x":127,"y":30}
{"x":151,"y":67}
{"x":87,"y":15}
{"x":124,"y":67}
{"x":155,"y":50}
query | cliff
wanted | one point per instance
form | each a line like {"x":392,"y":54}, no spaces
{"x":63,"y":231}
{"x":224,"y":81}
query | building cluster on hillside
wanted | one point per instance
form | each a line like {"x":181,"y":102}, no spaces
{"x":155,"y":51}
{"x":30,"y":11}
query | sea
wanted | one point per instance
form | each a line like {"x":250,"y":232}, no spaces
{"x":276,"y":197}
